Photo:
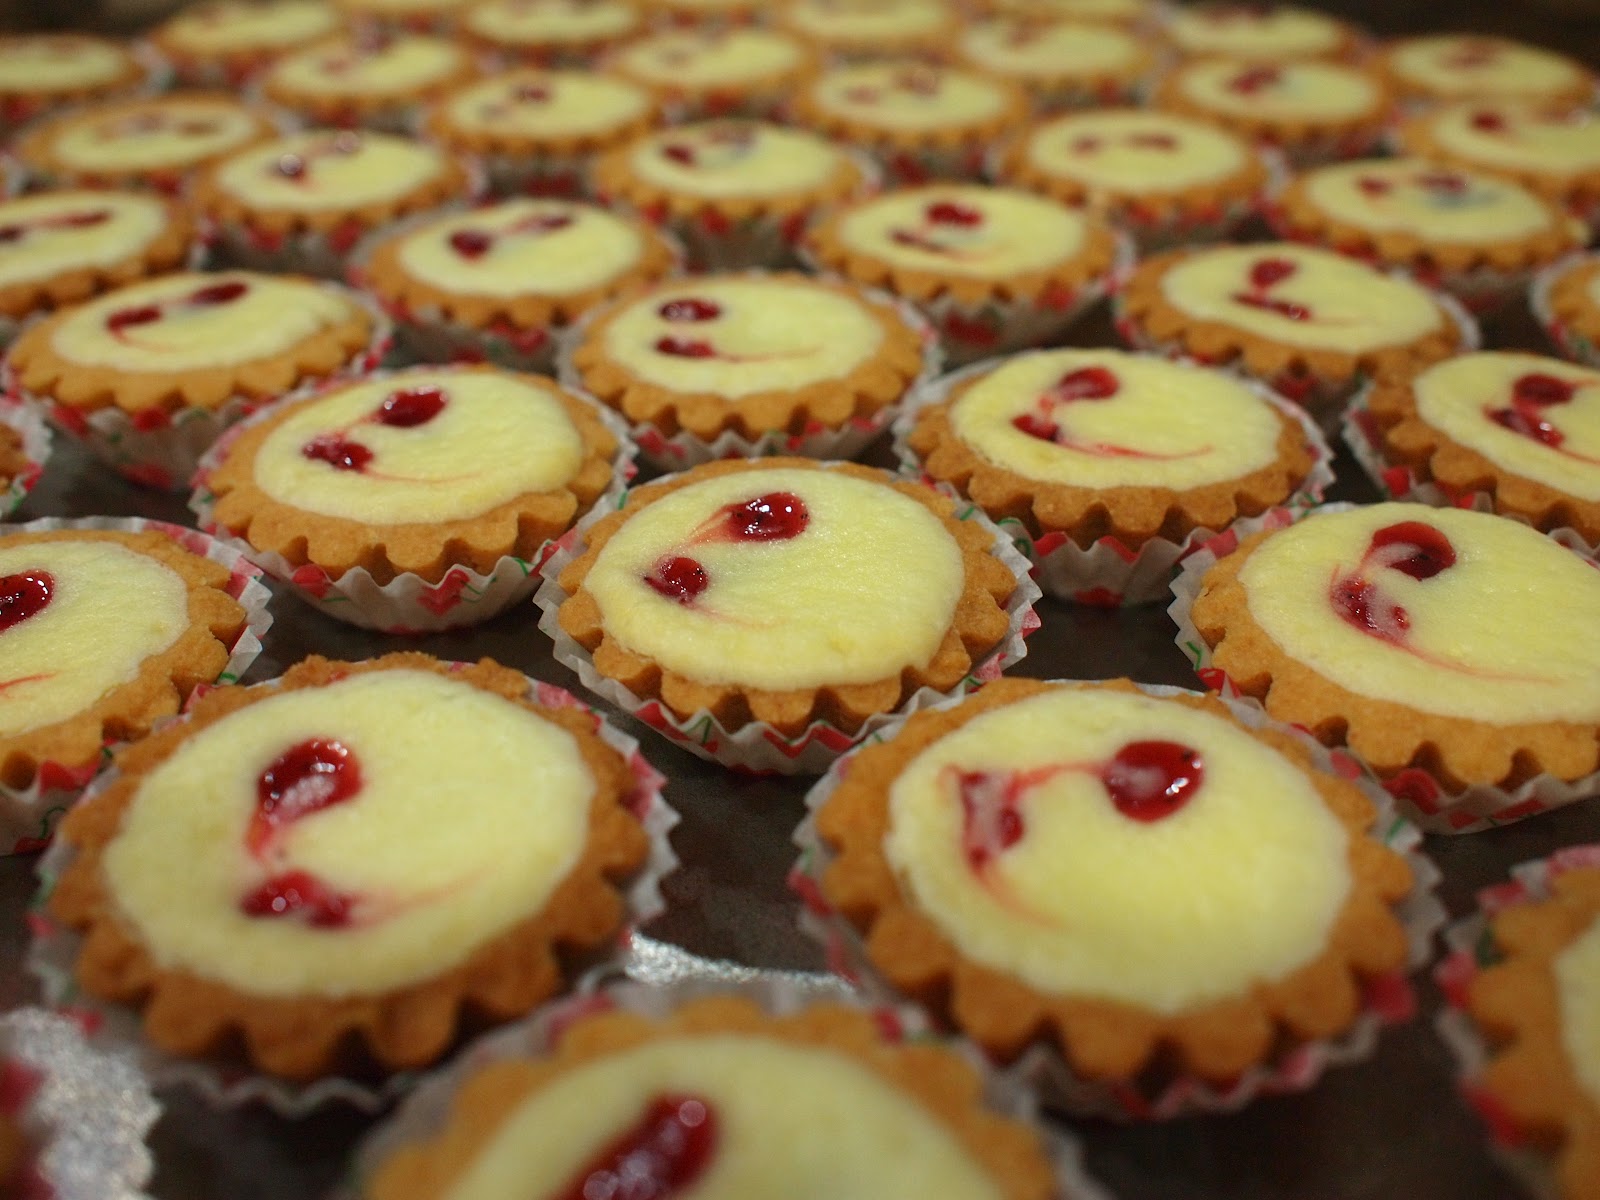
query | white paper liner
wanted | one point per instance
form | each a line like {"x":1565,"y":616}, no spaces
{"x":161,"y":450}
{"x":1386,"y":1000}
{"x":1568,"y":341}
{"x":426,"y":1111}
{"x":28,"y":816}
{"x":26,"y":422}
{"x":408,"y":603}
{"x":1111,"y":574}
{"x":683,"y":449}
{"x":86,"y":1113}
{"x":758,"y":747}
{"x":1420,"y":797}
{"x":230,"y":1083}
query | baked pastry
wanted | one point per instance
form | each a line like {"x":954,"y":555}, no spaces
{"x":24,"y":447}
{"x":1163,"y":177}
{"x":413,"y":16}
{"x":1566,"y":299}
{"x":994,"y":269}
{"x":43,"y":71}
{"x":1521,"y":429}
{"x":1061,"y":63}
{"x":550,"y":33}
{"x":369,"y":78}
{"x":503,"y":281}
{"x":221,"y":43}
{"x":300,"y":203}
{"x":773,"y":591}
{"x":1040,"y":864}
{"x":1259,"y":33}
{"x":705,"y":13}
{"x":871,"y":29}
{"x":139,"y":144}
{"x":720,"y":1097}
{"x":1404,"y":632}
{"x":303,"y":921}
{"x":920,"y":121}
{"x":718,"y":71}
{"x":1462,"y":66}
{"x":1145,"y":14}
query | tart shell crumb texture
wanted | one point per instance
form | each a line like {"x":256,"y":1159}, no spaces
{"x":1567,"y":302}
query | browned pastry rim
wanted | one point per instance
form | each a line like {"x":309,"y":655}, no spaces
{"x":133,"y":74}
{"x":940,"y":1082}
{"x":1390,"y":736}
{"x":1278,"y":129}
{"x":978,"y":622}
{"x":190,"y":60}
{"x":493,"y":139}
{"x":306,"y":1037}
{"x":352,"y":107}
{"x":1570,"y":302}
{"x":1579,"y":94}
{"x":1578,"y":189}
{"x":13,"y":456}
{"x":164,"y":679}
{"x":1105,"y":1039}
{"x":954,"y":135}
{"x":519,"y":526}
{"x":1097,"y":80}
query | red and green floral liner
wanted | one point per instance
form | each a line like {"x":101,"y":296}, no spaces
{"x":1386,"y":1000}
{"x":28,"y":816}
{"x":757,"y":747}
{"x":229,"y":1083}
{"x":1110,"y":573}
{"x":30,"y":426}
{"x":1569,"y":341}
{"x":1419,"y":795}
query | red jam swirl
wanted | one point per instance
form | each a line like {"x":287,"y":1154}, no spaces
{"x":23,"y":595}
{"x":662,"y":1155}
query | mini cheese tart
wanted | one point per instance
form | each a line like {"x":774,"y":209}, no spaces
{"x":1312,"y":110}
{"x":299,"y":203}
{"x":1163,"y":177}
{"x":1441,"y":639}
{"x":1311,"y":323}
{"x":705,"y":14}
{"x":223,"y":42}
{"x":1061,"y":63}
{"x":1566,"y":299}
{"x":335,"y":869}
{"x":870,"y":29}
{"x":367,"y":78}
{"x":719,"y":1099}
{"x":551,"y":32}
{"x":718,"y":71}
{"x":504,"y":281}
{"x":994,"y":269}
{"x":40,"y":72}
{"x":772,"y":591}
{"x":538,"y":131}
{"x":1132,"y":13}
{"x":1088,"y":867}
{"x":1260,"y":33}
{"x":1522,"y":429}
{"x":771,"y":361}
{"x":736,"y":192}
{"x":139,"y":144}
{"x":918,"y":120}
{"x":1459,"y":66}
{"x":414,"y":16}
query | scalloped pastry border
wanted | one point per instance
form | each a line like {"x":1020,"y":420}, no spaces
{"x":1569,"y":301}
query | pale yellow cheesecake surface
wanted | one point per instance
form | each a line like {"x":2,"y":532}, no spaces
{"x":867,"y":21}
{"x":169,"y":134}
{"x":1051,"y":50}
{"x":1577,"y":971}
{"x":51,"y":233}
{"x":1468,"y":67}
{"x":547,"y":103}
{"x":231,"y":26}
{"x":58,"y":64}
{"x":325,"y":170}
{"x":1271,"y":34}
{"x":1411,"y":195}
{"x":1297,"y":89}
{"x":1128,"y":150}
{"x":726,"y":159}
{"x":1519,"y":137}
{"x":693,"y":58}
{"x":551,"y":21}
{"x":356,"y":67}
{"x":907,"y":97}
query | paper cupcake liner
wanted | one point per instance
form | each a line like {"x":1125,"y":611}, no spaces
{"x":30,"y":426}
{"x":1317,"y":151}
{"x":230,"y":1082}
{"x":908,"y":166}
{"x":426,"y":1111}
{"x":28,"y":816}
{"x":1419,"y":795}
{"x":758,"y":747}
{"x":408,"y":603}
{"x":1110,"y":573}
{"x":84,"y":1113}
{"x":1386,"y":999}
{"x":1569,"y":341}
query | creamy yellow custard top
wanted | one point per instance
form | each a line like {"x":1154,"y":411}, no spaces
{"x":168,"y":134}
{"x":1577,"y":972}
{"x":402,"y":8}
{"x":907,"y":97}
{"x":1239,"y":886}
{"x":357,"y":66}
{"x":708,"y":58}
{"x":1119,"y":11}
{"x":1118,"y":420}
{"x":1503,"y":635}
{"x":867,"y":20}
{"x":1412,"y":195}
{"x":1474,"y":400}
{"x":556,"y":21}
{"x":1519,"y":137}
{"x":189,"y":331}
{"x":528,"y":247}
{"x":1473,"y":67}
{"x":58,"y":63}
{"x":110,"y":608}
{"x":831,"y":1127}
{"x":235,"y":25}
{"x":1310,"y":89}
{"x":724,"y":159}
{"x":1242,"y":31}
{"x":763,"y":335}
{"x":51,"y":233}
{"x":1050,"y":49}
{"x":965,"y":229}
{"x":1130,"y":150}
{"x":549,"y":103}
{"x":322,"y":170}
{"x":829,"y":606}
{"x":470,"y":811}
{"x":1335,"y":303}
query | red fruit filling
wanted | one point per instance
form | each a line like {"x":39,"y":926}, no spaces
{"x":304,"y":780}
{"x":1413,"y":548}
{"x":24,"y":595}
{"x":685,"y":347}
{"x":471,"y":243}
{"x":410,"y":407}
{"x":301,"y":896}
{"x":1287,"y":309}
{"x":664,"y":1153}
{"x":678,"y":578}
{"x":338,"y":452}
{"x":1256,"y":79}
{"x":1151,"y":780}
{"x":688,"y":308}
{"x":947,"y":212}
{"x":775,"y":517}
{"x":1269,"y":272}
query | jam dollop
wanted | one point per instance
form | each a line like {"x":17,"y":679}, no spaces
{"x":689,"y":308}
{"x":678,"y":577}
{"x":409,"y":407}
{"x":338,"y":451}
{"x":23,"y":595}
{"x":662,"y":1155}
{"x":302,"y":896}
{"x":304,"y":780}
{"x":1154,"y":779}
{"x":1413,"y":548}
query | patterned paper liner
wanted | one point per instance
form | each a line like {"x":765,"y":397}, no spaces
{"x":1110,"y":573}
{"x":425,"y":1112}
{"x":1567,"y":340}
{"x":1386,"y":999}
{"x":1470,"y":949}
{"x":85,"y":1113}
{"x":757,"y":747}
{"x":230,"y":1083}
{"x":1400,"y":482}
{"x":683,"y":449}
{"x":35,"y":434}
{"x":1419,"y":795}
{"x":1322,"y":149}
{"x":160,"y":449}
{"x":408,"y":603}
{"x":28,"y":816}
